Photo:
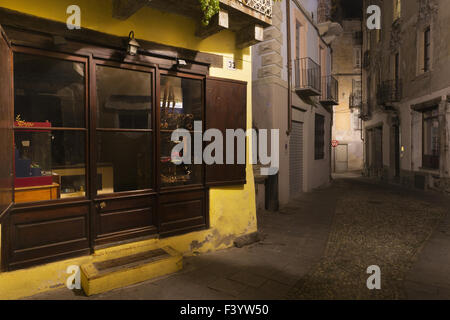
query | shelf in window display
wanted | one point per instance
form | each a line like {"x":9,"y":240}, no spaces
{"x":28,"y":125}
{"x":175,"y":120}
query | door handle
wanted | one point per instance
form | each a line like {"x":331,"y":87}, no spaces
{"x":101,"y":205}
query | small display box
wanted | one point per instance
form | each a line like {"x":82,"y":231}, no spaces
{"x":34,"y":180}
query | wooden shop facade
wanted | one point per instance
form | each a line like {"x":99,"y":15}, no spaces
{"x":85,"y":143}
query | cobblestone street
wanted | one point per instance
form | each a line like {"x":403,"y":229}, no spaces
{"x":319,"y":247}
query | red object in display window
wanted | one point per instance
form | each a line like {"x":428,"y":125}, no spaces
{"x":29,"y":125}
{"x":32,"y":181}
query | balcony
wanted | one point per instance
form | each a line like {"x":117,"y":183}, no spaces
{"x":330,"y":91}
{"x":389,"y":92}
{"x":247,"y":18}
{"x":355,"y":100}
{"x":307,"y":77}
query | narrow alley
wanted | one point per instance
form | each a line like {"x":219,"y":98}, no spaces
{"x":319,"y":247}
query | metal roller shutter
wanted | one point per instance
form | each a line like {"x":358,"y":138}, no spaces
{"x":296,"y":159}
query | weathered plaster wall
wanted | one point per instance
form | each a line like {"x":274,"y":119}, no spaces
{"x":406,"y":38}
{"x":345,"y":72}
{"x":270,"y":92}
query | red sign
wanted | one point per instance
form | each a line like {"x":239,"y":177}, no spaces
{"x":334,"y":143}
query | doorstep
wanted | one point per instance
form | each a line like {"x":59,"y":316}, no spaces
{"x":118,"y":272}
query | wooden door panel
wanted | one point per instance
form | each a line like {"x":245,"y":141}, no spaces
{"x":182,"y":212}
{"x":43,"y":234}
{"x":124,"y":218}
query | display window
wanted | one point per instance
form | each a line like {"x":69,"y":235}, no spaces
{"x":124,"y":138}
{"x":49,"y":127}
{"x":181,"y":104}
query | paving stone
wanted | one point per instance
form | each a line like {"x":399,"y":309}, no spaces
{"x":228,"y":286}
{"x":278,"y":289}
{"x":248,"y":278}
{"x":201,"y":276}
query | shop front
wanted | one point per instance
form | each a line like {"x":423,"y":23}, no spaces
{"x":86,"y":151}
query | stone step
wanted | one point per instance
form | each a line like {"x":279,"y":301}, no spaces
{"x":106,"y":275}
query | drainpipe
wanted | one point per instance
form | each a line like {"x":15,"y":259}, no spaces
{"x":362,"y":91}
{"x":289,"y":65}
{"x":329,"y":142}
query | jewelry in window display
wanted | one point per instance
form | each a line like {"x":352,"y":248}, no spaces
{"x":170,"y":119}
{"x":22,"y":123}
{"x":173,"y":166}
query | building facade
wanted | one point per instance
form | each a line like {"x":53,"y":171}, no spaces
{"x":293,"y":91}
{"x":406,"y":94}
{"x":86,"y":121}
{"x":347,"y":124}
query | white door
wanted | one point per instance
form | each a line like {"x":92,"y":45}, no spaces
{"x":341,"y":158}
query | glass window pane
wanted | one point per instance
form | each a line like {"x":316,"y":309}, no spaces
{"x":49,"y":165}
{"x":124,"y":161}
{"x":181,"y":102}
{"x":49,"y":91}
{"x":174,"y":173}
{"x":124,"y":98}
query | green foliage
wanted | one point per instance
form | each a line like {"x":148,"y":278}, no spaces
{"x":210,"y":8}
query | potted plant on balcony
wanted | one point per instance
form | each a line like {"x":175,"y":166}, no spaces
{"x":210,"y":8}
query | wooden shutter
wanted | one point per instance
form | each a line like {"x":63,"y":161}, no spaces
{"x":226,"y":108}
{"x":6,"y":125}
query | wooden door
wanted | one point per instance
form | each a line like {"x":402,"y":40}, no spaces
{"x":123,"y":100}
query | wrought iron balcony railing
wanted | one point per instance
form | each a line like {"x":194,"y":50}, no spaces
{"x":261,"y":6}
{"x":307,"y":77}
{"x":389,"y":91}
{"x":330,"y":91}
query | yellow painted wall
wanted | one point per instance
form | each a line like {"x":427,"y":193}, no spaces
{"x":232,"y":209}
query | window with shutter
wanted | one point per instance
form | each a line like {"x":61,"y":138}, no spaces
{"x":226,"y":108}
{"x":319,"y":138}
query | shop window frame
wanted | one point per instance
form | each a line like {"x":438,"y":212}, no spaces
{"x":94,"y":129}
{"x":65,"y":57}
{"x":178,"y":74}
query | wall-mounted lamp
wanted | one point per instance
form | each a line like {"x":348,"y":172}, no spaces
{"x":133,"y":45}
{"x":181,"y":62}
